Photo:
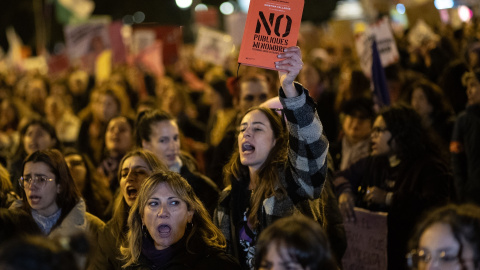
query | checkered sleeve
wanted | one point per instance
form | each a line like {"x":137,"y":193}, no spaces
{"x":307,"y":152}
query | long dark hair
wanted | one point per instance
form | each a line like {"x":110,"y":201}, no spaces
{"x":435,"y":96}
{"x":411,"y":139}
{"x":268,"y":178}
{"x":69,"y":194}
{"x":464,"y":222}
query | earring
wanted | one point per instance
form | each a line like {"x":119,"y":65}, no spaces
{"x":144,"y":231}
{"x":190,"y":225}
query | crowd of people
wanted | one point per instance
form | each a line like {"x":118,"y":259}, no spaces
{"x":204,"y":170}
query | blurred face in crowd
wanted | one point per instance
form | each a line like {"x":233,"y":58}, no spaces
{"x":473,"y":91}
{"x":106,"y":107}
{"x":439,"y":249}
{"x":420,"y":103}
{"x":119,"y":135}
{"x":310,"y":79}
{"x":252,"y":94}
{"x":277,"y":258}
{"x":54,"y":109}
{"x":78,"y":170}
{"x":7,"y":114}
{"x":166,"y":216}
{"x":36,"y":91}
{"x":357,"y":127}
{"x":78,"y":82}
{"x":164,"y":142}
{"x":37,"y":138}
{"x":41,"y":194}
{"x":255,"y":139}
{"x":133,"y":171}
{"x":380,"y":137}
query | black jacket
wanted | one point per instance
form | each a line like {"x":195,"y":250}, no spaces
{"x":465,"y":150}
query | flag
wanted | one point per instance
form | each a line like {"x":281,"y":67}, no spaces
{"x":379,"y":81}
{"x":72,"y":11}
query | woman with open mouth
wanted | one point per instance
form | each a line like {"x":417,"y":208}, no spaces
{"x":134,"y":168}
{"x":273,"y":173}
{"x":169,"y":228}
{"x":158,"y":131}
{"x":52,"y":199}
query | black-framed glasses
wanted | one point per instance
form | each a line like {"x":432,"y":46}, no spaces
{"x":444,"y":259}
{"x":39,"y":181}
{"x":377,"y":130}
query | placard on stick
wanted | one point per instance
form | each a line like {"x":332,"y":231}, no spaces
{"x":272,"y":26}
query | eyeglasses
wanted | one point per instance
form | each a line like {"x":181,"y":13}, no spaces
{"x":418,"y":259}
{"x":39,"y":181}
{"x":377,"y":130}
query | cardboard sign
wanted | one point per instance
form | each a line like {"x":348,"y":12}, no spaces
{"x":272,"y":26}
{"x":387,"y":48}
{"x":213,"y":46}
{"x":366,"y":241}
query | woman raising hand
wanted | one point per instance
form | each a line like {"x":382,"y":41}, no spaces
{"x":272,"y":173}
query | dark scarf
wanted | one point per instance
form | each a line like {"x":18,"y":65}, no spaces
{"x":160,"y":258}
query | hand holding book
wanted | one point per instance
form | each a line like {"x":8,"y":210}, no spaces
{"x":289,"y":67}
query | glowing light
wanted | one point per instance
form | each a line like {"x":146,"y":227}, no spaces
{"x":201,"y":7}
{"x":244,"y":4}
{"x":401,"y":8}
{"x":443,"y":4}
{"x":138,"y":17}
{"x":464,"y":13}
{"x":183,"y":3}
{"x":226,"y":8}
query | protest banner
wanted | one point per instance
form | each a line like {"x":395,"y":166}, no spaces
{"x":213,"y":46}
{"x":366,"y":241}
{"x":272,"y":26}
{"x":85,"y":41}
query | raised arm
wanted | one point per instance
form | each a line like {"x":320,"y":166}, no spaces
{"x":308,"y":147}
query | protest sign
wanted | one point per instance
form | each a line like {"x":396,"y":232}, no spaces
{"x":213,"y":46}
{"x":272,"y":26}
{"x":207,"y":18}
{"x":85,"y":41}
{"x":170,"y":37}
{"x":420,"y":34}
{"x":235,"y":24}
{"x":366,"y":241}
{"x":381,"y":32}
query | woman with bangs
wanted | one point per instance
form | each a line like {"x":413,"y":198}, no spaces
{"x":133,"y":169}
{"x":171,"y":229}
{"x":272,"y":175}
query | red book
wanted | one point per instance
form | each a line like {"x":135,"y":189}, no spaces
{"x":272,"y":26}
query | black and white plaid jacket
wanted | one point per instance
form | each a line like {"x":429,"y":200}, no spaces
{"x":303,"y":176}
